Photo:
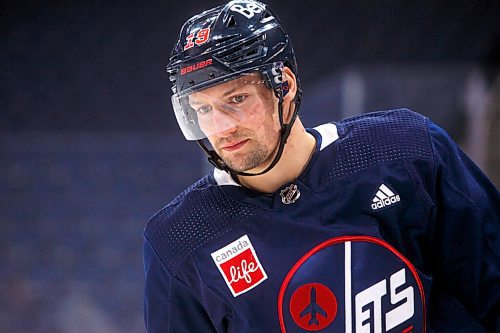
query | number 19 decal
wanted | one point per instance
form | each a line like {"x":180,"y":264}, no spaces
{"x":201,"y":38}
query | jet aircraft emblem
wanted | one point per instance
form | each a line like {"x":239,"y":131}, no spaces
{"x":313,"y":309}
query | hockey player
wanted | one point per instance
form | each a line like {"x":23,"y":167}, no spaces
{"x":377,"y":223}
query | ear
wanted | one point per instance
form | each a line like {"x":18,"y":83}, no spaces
{"x":291,"y":81}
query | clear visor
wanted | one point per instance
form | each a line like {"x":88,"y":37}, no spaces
{"x":223,"y":107}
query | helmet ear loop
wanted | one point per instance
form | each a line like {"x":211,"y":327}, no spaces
{"x":286,"y":129}
{"x":281,"y":92}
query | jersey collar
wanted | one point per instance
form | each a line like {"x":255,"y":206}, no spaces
{"x":326,"y":135}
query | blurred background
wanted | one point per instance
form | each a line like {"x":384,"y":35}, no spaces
{"x":89,"y":147}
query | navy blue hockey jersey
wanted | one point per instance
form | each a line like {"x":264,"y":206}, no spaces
{"x":390,"y":228}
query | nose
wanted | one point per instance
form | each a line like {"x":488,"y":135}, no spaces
{"x":223,"y":122}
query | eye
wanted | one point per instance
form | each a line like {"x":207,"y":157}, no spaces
{"x":238,"y":99}
{"x":204,"y":109}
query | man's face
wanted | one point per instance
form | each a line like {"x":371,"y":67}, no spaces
{"x":239,"y":120}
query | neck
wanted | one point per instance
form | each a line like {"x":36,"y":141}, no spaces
{"x":296,"y":155}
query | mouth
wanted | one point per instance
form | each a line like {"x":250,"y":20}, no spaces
{"x":232,"y":146}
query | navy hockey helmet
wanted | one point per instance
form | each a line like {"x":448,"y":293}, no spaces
{"x":223,"y":44}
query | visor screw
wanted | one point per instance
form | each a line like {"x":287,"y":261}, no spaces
{"x":211,"y":75}
{"x":191,"y":82}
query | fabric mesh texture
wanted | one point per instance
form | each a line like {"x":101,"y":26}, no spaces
{"x":380,"y":137}
{"x":203,"y":212}
{"x":200,"y":213}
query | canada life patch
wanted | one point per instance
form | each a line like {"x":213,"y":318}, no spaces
{"x":352,"y":284}
{"x":239,"y":265}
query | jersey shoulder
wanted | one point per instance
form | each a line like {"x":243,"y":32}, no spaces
{"x":197,"y":215}
{"x":379,"y":137}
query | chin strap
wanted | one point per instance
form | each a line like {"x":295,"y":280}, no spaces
{"x":285,"y":130}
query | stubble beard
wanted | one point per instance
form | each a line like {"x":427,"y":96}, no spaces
{"x":244,"y":162}
{"x":257,"y":155}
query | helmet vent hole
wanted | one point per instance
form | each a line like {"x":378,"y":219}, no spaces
{"x":266,"y":16}
{"x":251,"y":53}
{"x":225,"y":39}
{"x":231,"y":23}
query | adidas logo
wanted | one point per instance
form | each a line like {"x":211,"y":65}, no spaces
{"x":384,"y":197}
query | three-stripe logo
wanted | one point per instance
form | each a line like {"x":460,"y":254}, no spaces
{"x":384,"y":197}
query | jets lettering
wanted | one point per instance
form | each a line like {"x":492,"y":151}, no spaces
{"x":374,"y":294}
{"x":406,"y":310}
